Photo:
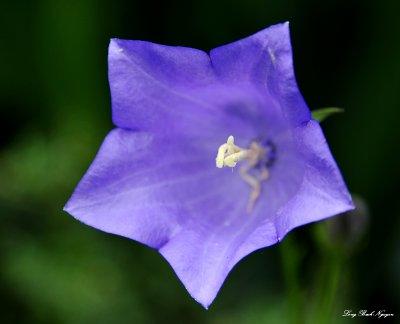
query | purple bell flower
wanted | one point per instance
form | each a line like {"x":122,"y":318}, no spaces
{"x":213,"y":156}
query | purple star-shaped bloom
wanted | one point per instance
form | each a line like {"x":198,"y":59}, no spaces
{"x":155,"y":178}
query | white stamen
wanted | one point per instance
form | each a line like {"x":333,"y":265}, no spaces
{"x":230,"y":154}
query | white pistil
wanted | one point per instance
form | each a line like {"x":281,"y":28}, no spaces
{"x":230,"y":154}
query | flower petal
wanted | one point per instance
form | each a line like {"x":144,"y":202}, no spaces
{"x":203,"y":256}
{"x":265,"y":59}
{"x":173,"y":198}
{"x":166,"y":89}
{"x":153,"y":87}
{"x":323,"y":192}
{"x":139,"y":185}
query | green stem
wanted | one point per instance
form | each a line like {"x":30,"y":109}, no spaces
{"x":327,"y":290}
{"x":290,"y":256}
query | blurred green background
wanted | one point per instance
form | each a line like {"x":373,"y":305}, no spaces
{"x":55,"y":111}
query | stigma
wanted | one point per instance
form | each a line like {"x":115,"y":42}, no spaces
{"x":254,"y":158}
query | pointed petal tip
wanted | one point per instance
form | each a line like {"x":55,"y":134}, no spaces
{"x":114,"y":46}
{"x":117,"y":46}
{"x":343,"y":206}
{"x":285,"y":24}
{"x":282,"y":25}
{"x":347,"y":202}
{"x":113,"y":41}
{"x":204,"y":304}
{"x":69,"y":209}
{"x":203,"y":295}
{"x":71,"y":204}
{"x":351,"y":206}
{"x":66,"y":208}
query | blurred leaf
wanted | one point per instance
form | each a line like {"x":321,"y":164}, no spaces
{"x":72,"y":279}
{"x":262,"y":309}
{"x":323,"y":113}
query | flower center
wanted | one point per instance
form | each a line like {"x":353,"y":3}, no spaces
{"x":256,"y":156}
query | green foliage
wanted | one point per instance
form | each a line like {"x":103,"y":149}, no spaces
{"x":323,"y":113}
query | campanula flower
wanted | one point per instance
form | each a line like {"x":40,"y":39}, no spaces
{"x":214,"y":155}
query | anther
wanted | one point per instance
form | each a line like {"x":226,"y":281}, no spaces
{"x":230,"y":154}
